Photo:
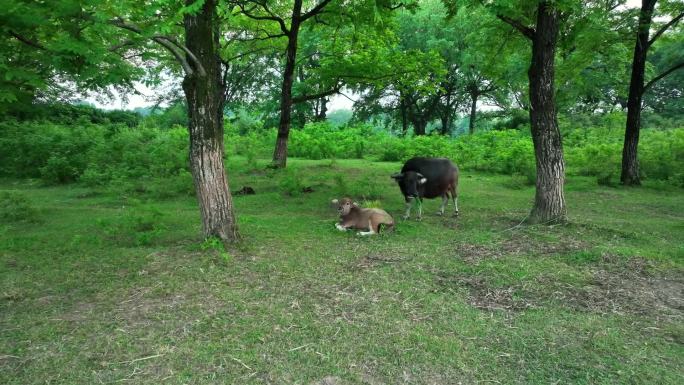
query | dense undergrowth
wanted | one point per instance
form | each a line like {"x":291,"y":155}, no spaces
{"x":98,"y":154}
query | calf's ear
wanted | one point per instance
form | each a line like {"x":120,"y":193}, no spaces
{"x":334,"y":201}
{"x":397,"y":176}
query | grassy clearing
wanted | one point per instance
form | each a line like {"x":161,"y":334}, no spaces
{"x":116,"y":286}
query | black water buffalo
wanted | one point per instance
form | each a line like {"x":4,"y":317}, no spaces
{"x":428,"y":178}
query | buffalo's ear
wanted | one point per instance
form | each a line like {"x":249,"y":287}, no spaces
{"x":334,"y":202}
{"x":397,"y":176}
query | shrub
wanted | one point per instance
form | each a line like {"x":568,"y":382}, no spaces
{"x":138,"y":225}
{"x":368,"y":189}
{"x":15,"y":207}
{"x":291,"y":183}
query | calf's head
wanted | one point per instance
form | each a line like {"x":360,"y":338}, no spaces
{"x":410,"y":183}
{"x":344,"y":205}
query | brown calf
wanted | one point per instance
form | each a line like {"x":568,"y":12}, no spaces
{"x":354,"y":217}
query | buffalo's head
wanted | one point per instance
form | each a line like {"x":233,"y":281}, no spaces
{"x":411,"y":183}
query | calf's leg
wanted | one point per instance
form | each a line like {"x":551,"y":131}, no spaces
{"x":371,"y":229}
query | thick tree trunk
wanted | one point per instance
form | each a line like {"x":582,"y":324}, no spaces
{"x":473,"y":112}
{"x":280,"y":152}
{"x":419,"y":126}
{"x":630,"y":162}
{"x":549,"y":203}
{"x":205,"y":97}
{"x":445,"y":124}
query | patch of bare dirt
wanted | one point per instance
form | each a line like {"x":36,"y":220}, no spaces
{"x":612,"y":289}
{"x":519,"y":245}
{"x":483,"y":295}
{"x":619,"y":292}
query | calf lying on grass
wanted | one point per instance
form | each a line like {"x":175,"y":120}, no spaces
{"x":354,"y":217}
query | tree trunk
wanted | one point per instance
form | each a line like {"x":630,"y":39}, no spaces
{"x":473,"y":112}
{"x":322,"y":112}
{"x":419,"y":126}
{"x":549,"y":203}
{"x":404,"y":116}
{"x":280,"y":152}
{"x":630,"y":162}
{"x":205,"y":97}
{"x":445,"y":124}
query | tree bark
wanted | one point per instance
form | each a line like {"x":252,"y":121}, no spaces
{"x":280,"y":152}
{"x":630,"y":163}
{"x":205,"y":98}
{"x":473,"y":112}
{"x":445,"y":124}
{"x":404,"y":116}
{"x":322,"y":111}
{"x":549,"y":203}
{"x":419,"y":126}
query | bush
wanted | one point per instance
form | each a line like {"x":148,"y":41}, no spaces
{"x":291,"y":183}
{"x":138,"y":225}
{"x":14,"y":207}
{"x":368,"y":189}
{"x":149,"y":160}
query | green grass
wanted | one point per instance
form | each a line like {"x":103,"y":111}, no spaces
{"x":118,"y":287}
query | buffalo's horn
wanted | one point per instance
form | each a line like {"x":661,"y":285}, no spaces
{"x":398,"y":176}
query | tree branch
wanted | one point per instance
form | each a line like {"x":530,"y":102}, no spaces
{"x":304,"y":98}
{"x":394,"y":7}
{"x":665,"y":28}
{"x":526,"y":31}
{"x":315,"y":10}
{"x":170,"y":44}
{"x":124,"y":43}
{"x":662,"y":75}
{"x":271,"y":16}
{"x":26,"y":40}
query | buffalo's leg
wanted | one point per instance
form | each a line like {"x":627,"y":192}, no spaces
{"x":340,"y":227}
{"x":420,"y":208}
{"x":445,"y":200}
{"x":409,"y":203}
{"x":454,"y":197}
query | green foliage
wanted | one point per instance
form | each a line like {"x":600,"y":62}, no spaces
{"x":135,"y":153}
{"x":15,"y":207}
{"x":174,"y":115}
{"x":291,"y":183}
{"x":217,"y":247}
{"x":138,"y":225}
{"x":154,"y":162}
{"x":322,"y":140}
{"x":57,"y":153}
